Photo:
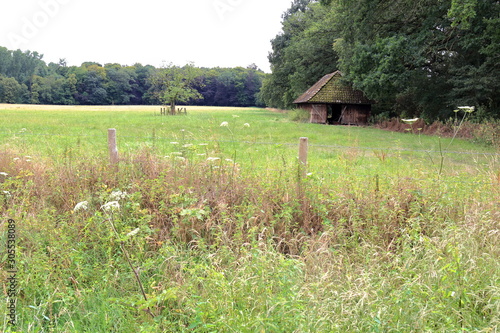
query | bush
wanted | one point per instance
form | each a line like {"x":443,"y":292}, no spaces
{"x":299,"y":115}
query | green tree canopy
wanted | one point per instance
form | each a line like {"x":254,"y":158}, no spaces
{"x":415,"y":58}
{"x":173,"y":84}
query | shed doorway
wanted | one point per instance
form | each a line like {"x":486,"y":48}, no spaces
{"x":334,"y":114}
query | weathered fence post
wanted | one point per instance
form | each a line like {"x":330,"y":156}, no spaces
{"x":113,"y":150}
{"x":303,"y":147}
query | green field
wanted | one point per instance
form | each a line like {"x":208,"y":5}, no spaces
{"x":383,"y":232}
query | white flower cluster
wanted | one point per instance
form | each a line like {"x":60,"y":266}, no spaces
{"x":111,"y":206}
{"x":84,"y":205}
{"x":410,"y":121}
{"x":117,"y":195}
{"x":134,"y":232}
{"x":466,"y":109}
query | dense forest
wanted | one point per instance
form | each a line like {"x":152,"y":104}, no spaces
{"x":26,"y":78}
{"x":414,"y":57}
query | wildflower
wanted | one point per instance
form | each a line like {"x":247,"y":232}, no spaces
{"x":187,"y":145}
{"x":235,"y":116}
{"x":203,"y":144}
{"x":16,"y":159}
{"x":224,"y":124}
{"x":5,"y":174}
{"x":177,"y":153}
{"x":246,"y":125}
{"x":174,"y":143}
{"x":23,"y":130}
{"x":410,"y":121}
{"x":133,"y":232}
{"x":84,"y":205}
{"x":180,"y":158}
{"x":229,"y":160}
{"x":117,"y":195}
{"x":110,"y":206}
{"x":213,"y":159}
{"x":28,"y":157}
{"x":6,"y":193}
{"x":467,"y":109}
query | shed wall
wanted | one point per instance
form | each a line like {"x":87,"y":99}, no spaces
{"x":355,"y":114}
{"x":318,"y":112}
{"x":352,"y":114}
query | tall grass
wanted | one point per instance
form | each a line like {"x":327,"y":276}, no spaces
{"x":370,"y":241}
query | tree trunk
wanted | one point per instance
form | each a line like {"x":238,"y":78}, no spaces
{"x":172,"y":107}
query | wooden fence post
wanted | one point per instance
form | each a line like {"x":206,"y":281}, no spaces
{"x":113,"y":150}
{"x":303,"y":147}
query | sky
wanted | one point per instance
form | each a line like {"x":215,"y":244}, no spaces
{"x":208,"y":33}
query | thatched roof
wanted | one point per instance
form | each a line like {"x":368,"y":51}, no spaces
{"x":330,"y":90}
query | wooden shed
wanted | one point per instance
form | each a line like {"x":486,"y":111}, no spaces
{"x":330,"y":101}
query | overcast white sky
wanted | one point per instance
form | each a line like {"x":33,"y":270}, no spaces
{"x":210,"y":33}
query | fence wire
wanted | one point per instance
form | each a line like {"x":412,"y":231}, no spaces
{"x":103,"y":138}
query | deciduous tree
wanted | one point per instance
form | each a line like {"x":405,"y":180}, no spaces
{"x":173,"y":84}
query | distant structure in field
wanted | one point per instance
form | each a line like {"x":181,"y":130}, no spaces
{"x":331,"y":101}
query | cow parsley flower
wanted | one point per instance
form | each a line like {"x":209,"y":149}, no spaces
{"x":117,"y":195}
{"x":467,"y":109}
{"x":5,"y":174}
{"x":410,"y":121}
{"x":224,"y":124}
{"x":246,"y":125}
{"x":133,"y":232}
{"x":84,"y":205}
{"x":111,"y":206}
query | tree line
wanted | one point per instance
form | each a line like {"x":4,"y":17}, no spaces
{"x":414,"y":57}
{"x":26,"y":78}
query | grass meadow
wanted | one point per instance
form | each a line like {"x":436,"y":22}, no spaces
{"x":209,"y":224}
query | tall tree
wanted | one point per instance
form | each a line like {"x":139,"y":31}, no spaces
{"x":173,"y":84}
{"x":420,"y":57}
{"x":301,"y":54}
{"x":10,"y":90}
